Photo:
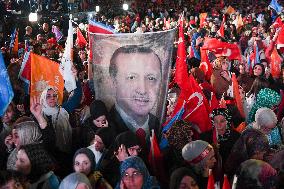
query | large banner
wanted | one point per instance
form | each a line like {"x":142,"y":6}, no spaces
{"x":131,"y":74}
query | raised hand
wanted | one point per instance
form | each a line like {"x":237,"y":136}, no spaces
{"x":9,"y":142}
{"x":121,"y":153}
{"x":36,"y":109}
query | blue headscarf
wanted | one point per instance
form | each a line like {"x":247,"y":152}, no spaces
{"x":137,"y":163}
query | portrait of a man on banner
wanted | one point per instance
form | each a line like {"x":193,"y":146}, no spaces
{"x":131,"y":77}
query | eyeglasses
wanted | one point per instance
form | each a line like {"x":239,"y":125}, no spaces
{"x":50,"y":96}
{"x":135,"y":149}
{"x":135,"y":175}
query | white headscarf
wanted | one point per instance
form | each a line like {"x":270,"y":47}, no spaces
{"x":60,"y":122}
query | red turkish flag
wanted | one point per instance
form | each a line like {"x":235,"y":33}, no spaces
{"x":232,"y":51}
{"x":80,"y":41}
{"x":275,"y":63}
{"x":205,"y":64}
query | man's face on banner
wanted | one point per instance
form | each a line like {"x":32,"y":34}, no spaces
{"x":137,"y":82}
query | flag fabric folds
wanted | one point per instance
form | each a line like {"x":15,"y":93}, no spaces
{"x":155,"y":157}
{"x":57,"y":33}
{"x":275,"y":63}
{"x":164,"y":143}
{"x":6,"y":90}
{"x":205,"y":64}
{"x":44,"y":73}
{"x":237,"y":96}
{"x":226,"y":183}
{"x":202,"y":18}
{"x":230,"y":10}
{"x":221,"y":31}
{"x":280,"y":38}
{"x":25,"y":71}
{"x":276,"y":6}
{"x":96,"y":27}
{"x":211,"y":182}
{"x":80,"y":40}
{"x":232,"y":51}
{"x":14,"y":42}
{"x":67,"y":61}
{"x":181,"y":74}
{"x":191,"y":96}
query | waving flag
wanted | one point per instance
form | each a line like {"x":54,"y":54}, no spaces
{"x":226,"y":183}
{"x":155,"y":158}
{"x":181,"y":74}
{"x":6,"y":89}
{"x":280,"y":38}
{"x":205,"y":64}
{"x":211,"y":182}
{"x":57,"y":33}
{"x":237,"y":95}
{"x":96,"y":27}
{"x":67,"y":61}
{"x":14,"y":42}
{"x":80,"y":41}
{"x":276,"y":6}
{"x":164,"y":142}
{"x":45,"y":72}
{"x":202,"y":18}
{"x":221,"y":31}
{"x":275,"y":63}
{"x":25,"y":71}
{"x":232,"y":51}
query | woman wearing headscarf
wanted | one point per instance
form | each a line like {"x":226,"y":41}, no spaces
{"x":126,"y":144}
{"x":221,"y":77}
{"x":265,"y":98}
{"x":24,"y":133}
{"x":256,"y":174}
{"x":98,"y":119}
{"x":177,"y":139}
{"x":252,"y":144}
{"x":183,"y":177}
{"x":59,"y":115}
{"x":84,"y":161}
{"x":266,"y":122}
{"x":134,"y":174}
{"x":226,"y":137}
{"x":250,"y":97}
{"x":35,"y":162}
{"x":74,"y":181}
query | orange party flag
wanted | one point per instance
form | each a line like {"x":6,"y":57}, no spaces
{"x":44,"y":73}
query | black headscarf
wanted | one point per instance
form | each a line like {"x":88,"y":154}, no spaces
{"x":97,"y":109}
{"x":106,"y":134}
{"x":178,"y":174}
{"x":127,"y":138}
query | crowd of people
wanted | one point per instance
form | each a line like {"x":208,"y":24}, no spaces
{"x":82,"y":144}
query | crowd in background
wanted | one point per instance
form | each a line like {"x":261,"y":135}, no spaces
{"x":47,"y":145}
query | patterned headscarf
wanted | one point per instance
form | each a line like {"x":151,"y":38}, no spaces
{"x":256,"y":174}
{"x":265,"y":98}
{"x":179,"y":134}
{"x":227,"y":114}
{"x":137,"y":163}
{"x":224,"y":112}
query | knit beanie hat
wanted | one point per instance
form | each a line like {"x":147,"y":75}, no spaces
{"x":196,"y":151}
{"x":41,"y":161}
{"x":89,"y":154}
{"x":97,"y":109}
{"x":106,"y":134}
